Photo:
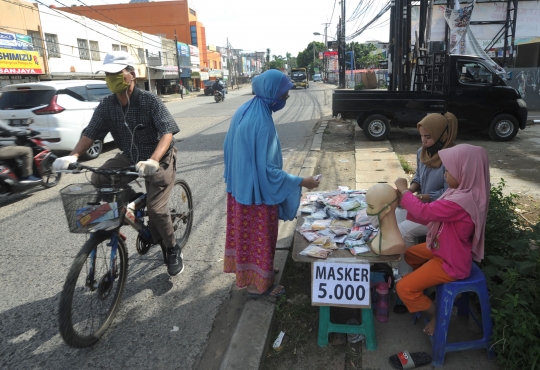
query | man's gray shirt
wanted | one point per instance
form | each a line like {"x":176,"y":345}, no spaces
{"x":136,"y":129}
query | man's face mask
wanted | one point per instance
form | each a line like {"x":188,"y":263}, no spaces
{"x":116,"y":83}
{"x":374,"y":218}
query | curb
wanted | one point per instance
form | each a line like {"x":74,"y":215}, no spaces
{"x":248,"y":344}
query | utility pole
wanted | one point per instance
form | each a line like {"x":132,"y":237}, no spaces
{"x":229,"y":62}
{"x":177,"y":58}
{"x":341,"y":48}
{"x":325,"y":69}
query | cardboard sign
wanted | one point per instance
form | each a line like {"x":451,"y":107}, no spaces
{"x":340,"y":284}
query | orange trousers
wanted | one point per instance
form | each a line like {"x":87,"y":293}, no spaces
{"x":427,"y":272}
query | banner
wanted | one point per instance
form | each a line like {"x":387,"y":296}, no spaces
{"x":458,"y":21}
{"x":19,"y":62}
{"x":15,"y":41}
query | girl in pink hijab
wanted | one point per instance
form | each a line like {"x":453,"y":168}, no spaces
{"x":456,"y":223}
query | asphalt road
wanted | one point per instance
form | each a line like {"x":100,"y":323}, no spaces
{"x":37,"y":250}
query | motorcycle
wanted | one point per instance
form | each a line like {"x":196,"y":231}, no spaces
{"x":218,"y":97}
{"x":10,"y":169}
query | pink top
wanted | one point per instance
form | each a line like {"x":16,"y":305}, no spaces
{"x":453,"y":241}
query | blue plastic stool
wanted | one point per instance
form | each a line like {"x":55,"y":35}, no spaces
{"x":446,"y":294}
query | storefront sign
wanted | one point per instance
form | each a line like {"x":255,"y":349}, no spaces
{"x":15,"y":41}
{"x":340,"y":284}
{"x":330,"y":53}
{"x":18,"y":62}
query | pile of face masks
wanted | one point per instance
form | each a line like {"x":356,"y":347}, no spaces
{"x":336,"y":220}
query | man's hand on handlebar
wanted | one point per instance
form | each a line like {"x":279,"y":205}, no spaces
{"x":63,"y":163}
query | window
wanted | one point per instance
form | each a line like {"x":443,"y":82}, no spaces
{"x":474,"y":73}
{"x":116,"y":47}
{"x":165,"y":58}
{"x":193,"y":35}
{"x":191,"y":11}
{"x":82,"y":44}
{"x":94,"y":50}
{"x":53,"y":49}
{"x":36,"y":41}
{"x":97,"y":92}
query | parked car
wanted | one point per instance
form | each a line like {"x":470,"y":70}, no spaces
{"x":317,"y":77}
{"x":59,"y":110}
{"x":208,"y":87}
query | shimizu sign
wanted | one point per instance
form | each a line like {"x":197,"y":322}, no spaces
{"x":340,"y":284}
{"x":19,"y":62}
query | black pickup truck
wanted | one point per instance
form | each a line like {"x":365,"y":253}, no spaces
{"x":467,"y":86}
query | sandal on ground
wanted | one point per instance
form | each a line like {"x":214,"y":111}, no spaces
{"x":405,"y":360}
{"x":268,"y":293}
{"x":276,"y":270}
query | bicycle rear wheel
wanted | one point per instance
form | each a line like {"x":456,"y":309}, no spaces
{"x":87,"y":308}
{"x":181,"y":209}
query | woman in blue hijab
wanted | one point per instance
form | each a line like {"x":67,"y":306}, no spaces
{"x":259,"y":192}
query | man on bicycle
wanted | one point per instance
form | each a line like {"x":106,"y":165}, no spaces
{"x":143,"y":130}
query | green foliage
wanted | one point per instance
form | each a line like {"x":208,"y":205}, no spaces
{"x":503,"y":224}
{"x":359,"y":86}
{"x":512,"y":269}
{"x":405,"y":165}
{"x":306,"y":59}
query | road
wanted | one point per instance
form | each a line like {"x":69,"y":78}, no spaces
{"x":37,"y":251}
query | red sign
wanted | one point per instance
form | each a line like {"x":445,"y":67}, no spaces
{"x":20,"y":71}
{"x":330,"y":53}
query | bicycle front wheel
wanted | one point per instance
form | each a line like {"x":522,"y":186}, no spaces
{"x":181,"y":210}
{"x":89,"y":299}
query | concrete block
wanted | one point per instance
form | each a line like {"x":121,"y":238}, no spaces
{"x":378,"y":165}
{"x":248,"y":343}
{"x":370,"y":155}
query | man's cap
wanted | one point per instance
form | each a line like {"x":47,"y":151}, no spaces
{"x":115,"y":61}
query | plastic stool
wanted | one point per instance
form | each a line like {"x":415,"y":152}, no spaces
{"x":367,"y":328}
{"x":446,"y":294}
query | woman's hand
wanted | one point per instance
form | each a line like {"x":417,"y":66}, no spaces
{"x":309,"y":182}
{"x":401,"y":184}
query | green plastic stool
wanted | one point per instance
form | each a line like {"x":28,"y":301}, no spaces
{"x":367,"y":327}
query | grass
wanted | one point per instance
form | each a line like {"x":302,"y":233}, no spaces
{"x":405,"y":165}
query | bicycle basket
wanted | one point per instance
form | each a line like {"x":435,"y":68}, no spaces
{"x":86,"y":206}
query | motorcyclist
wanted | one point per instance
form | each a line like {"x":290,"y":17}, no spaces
{"x":217,"y":86}
{"x":14,"y":151}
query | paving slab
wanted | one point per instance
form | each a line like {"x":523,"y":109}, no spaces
{"x":378,"y":165}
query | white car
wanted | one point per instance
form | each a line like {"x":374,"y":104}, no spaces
{"x":59,"y":110}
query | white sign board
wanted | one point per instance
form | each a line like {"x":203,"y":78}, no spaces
{"x":340,"y":284}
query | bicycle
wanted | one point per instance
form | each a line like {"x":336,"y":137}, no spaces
{"x":91,"y":296}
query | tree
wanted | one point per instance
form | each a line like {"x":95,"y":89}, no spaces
{"x":305,"y":58}
{"x":362,"y":55}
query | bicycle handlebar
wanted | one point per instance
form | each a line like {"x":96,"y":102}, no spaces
{"x":78,"y":167}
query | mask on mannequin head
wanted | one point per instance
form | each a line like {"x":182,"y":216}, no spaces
{"x":116,"y":83}
{"x":375,"y":220}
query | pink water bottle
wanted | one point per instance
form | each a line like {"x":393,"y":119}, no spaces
{"x":382,"y":302}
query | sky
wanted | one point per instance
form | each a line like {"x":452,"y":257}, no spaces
{"x":281,"y":25}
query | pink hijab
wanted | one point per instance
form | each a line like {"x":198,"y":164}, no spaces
{"x":469,"y":165}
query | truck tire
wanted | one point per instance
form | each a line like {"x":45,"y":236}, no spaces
{"x":503,"y":127}
{"x":376,"y":127}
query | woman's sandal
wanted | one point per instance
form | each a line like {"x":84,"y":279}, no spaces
{"x":405,"y":360}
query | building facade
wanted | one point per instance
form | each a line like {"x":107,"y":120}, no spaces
{"x":21,"y":44}
{"x":162,"y":18}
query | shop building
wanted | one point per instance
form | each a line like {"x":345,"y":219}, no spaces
{"x":21,"y":46}
{"x":162,"y":18}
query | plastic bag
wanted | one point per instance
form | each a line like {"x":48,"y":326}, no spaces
{"x":315,"y":251}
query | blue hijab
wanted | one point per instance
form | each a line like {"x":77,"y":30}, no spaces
{"x":253,"y":159}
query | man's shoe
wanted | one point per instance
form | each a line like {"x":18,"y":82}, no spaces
{"x":30,"y":178}
{"x":175,"y":261}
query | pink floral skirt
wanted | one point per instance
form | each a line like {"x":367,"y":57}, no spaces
{"x":251,"y":243}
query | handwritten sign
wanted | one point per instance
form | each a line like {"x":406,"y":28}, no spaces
{"x":340,"y":284}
